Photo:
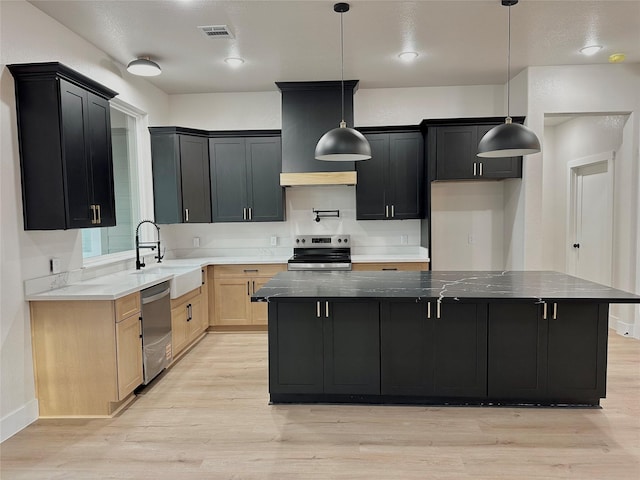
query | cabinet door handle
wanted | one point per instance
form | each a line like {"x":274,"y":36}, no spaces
{"x":253,"y":284}
{"x":544,"y":311}
{"x":428,"y":309}
{"x":480,"y":168}
{"x":438,"y":309}
{"x":99,"y":215}
{"x":244,"y":213}
{"x":318,"y":309}
{"x":188,"y":312}
{"x":386,"y":211}
{"x":250,"y":270}
{"x":250,"y":213}
{"x":393,"y":211}
{"x":326,"y":309}
{"x":186,"y":214}
{"x":475,"y":171}
{"x":555,"y":311}
{"x":93,"y":214}
{"x":248,"y":291}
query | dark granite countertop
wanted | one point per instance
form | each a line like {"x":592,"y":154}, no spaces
{"x":444,"y":286}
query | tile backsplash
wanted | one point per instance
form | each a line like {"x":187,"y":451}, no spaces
{"x":300,"y":219}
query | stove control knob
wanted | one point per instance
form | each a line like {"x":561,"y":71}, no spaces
{"x":339,"y":240}
{"x":346,"y":240}
{"x":297,"y":240}
{"x":303,"y":240}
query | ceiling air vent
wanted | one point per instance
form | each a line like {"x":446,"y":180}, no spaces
{"x":216,"y":31}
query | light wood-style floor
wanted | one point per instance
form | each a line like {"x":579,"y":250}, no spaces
{"x":209,"y":418}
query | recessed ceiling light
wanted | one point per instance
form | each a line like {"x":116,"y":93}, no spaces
{"x":408,"y":56}
{"x":234,"y":61}
{"x":590,"y":50}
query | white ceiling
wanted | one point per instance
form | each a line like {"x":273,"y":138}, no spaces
{"x":461,"y":42}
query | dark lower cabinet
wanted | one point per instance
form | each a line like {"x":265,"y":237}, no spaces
{"x":433,"y":352}
{"x":324,"y":347}
{"x":560,"y":357}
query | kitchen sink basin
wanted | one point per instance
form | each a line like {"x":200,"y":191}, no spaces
{"x":183,"y":280}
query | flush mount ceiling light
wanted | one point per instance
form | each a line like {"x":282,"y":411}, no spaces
{"x":408,"y":56}
{"x":509,"y":139}
{"x":342,"y":144}
{"x":590,"y":50}
{"x":144,"y":67}
{"x":234,"y":61}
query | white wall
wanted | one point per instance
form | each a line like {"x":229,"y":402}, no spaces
{"x":28,"y":35}
{"x":589,"y":89}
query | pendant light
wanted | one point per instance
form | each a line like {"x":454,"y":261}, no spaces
{"x":342,"y":144}
{"x":509,"y":139}
{"x":144,"y":67}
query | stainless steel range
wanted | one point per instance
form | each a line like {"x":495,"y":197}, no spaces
{"x":321,"y":252}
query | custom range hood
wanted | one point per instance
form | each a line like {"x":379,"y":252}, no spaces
{"x":309,"y":110}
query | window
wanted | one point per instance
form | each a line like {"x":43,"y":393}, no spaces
{"x":108,"y":240}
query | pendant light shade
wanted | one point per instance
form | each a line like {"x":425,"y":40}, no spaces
{"x":144,"y":67}
{"x":509,"y":139}
{"x":342,"y":144}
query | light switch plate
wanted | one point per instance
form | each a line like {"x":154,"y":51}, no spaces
{"x":54,"y":265}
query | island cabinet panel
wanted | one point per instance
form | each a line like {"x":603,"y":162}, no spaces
{"x":324,"y":347}
{"x":559,"y":355}
{"x":433,"y":352}
{"x":296,"y":355}
{"x":351,"y":347}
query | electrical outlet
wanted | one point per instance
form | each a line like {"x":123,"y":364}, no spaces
{"x":274,"y":241}
{"x":404,"y":239}
{"x":196,"y":242}
{"x":472,"y":239}
{"x":54,"y":265}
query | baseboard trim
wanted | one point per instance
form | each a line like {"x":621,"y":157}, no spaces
{"x":18,"y":419}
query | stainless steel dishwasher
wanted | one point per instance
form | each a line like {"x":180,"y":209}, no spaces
{"x":156,"y":330}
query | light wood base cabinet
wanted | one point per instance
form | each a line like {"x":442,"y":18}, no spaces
{"x":189,"y":318}
{"x":87,"y":355}
{"x":390,"y":266}
{"x":230,"y":300}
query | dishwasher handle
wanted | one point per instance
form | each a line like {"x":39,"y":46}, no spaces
{"x":155,"y":297}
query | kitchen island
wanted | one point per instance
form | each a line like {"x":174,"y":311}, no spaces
{"x":488,"y":338}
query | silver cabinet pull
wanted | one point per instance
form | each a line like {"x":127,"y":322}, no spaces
{"x":428,"y":309}
{"x":393,"y":211}
{"x":386,"y":211}
{"x":318,"y":309}
{"x":99,"y":214}
{"x":250,"y":213}
{"x":438,"y":309}
{"x":480,"y":168}
{"x":244,"y":213}
{"x":326,"y":309}
{"x":186,"y":214}
{"x":475,"y":171}
{"x":544,"y":311}
{"x":93,"y":214}
{"x":555,"y":311}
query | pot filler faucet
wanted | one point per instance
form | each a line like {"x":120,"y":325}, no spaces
{"x":149,"y":245}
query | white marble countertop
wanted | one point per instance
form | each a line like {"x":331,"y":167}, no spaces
{"x":120,"y":284}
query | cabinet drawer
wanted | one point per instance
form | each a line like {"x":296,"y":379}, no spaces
{"x":261,"y":270}
{"x":127,"y":306}
{"x":406,"y":266}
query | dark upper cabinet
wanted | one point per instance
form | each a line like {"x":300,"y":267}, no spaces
{"x":559,"y":356}
{"x":180,"y":163}
{"x":391,"y":183}
{"x":309,"y":110}
{"x":64,"y":132}
{"x":431,"y":351}
{"x":453,"y":147}
{"x":245,"y":179}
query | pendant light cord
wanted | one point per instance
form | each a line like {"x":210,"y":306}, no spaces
{"x":509,"y":67}
{"x":342,"y":63}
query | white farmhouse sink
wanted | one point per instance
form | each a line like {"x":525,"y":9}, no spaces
{"x":183,"y":280}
